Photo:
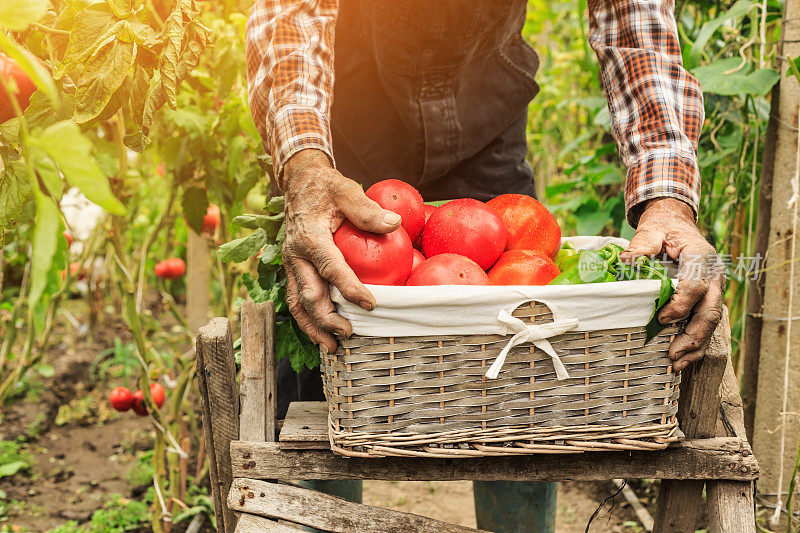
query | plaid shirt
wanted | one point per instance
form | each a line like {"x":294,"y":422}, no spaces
{"x":656,"y":106}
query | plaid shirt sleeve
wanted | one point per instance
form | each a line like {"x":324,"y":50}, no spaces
{"x":656,"y":106}
{"x":289,"y":56}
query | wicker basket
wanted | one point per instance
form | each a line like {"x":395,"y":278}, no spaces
{"x":428,"y":396}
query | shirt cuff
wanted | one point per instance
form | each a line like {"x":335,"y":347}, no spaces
{"x":661,"y":174}
{"x":296,"y":128}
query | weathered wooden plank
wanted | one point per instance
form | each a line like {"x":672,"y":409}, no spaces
{"x":271,"y":375}
{"x":198,"y":274}
{"x":730,"y":503}
{"x":250,"y":523}
{"x":216,"y":373}
{"x":329,"y":513}
{"x":680,"y":500}
{"x":731,"y":507}
{"x":252,"y":378}
{"x":717,"y":458}
{"x":305,"y":426}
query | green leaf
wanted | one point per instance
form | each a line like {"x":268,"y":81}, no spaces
{"x":72,"y":152}
{"x":48,"y":173}
{"x":291,"y":342}
{"x":46,"y":371}
{"x":269,"y":223}
{"x":269,"y":254}
{"x":591,"y":218}
{"x":102,"y":75}
{"x":17,"y":15}
{"x":27,"y":62}
{"x":9,"y":469}
{"x":195,"y":205}
{"x":710,"y":27}
{"x":276,"y":205}
{"x":15,"y":191}
{"x":94,"y":27}
{"x":45,"y":234}
{"x":654,"y":327}
{"x":239,"y":250}
{"x":725,"y":77}
{"x":794,"y":67}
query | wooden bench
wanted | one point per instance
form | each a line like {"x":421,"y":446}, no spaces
{"x":249,"y":449}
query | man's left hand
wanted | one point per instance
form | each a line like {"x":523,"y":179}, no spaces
{"x":667,"y":226}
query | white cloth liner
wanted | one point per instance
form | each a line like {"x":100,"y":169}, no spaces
{"x":474,"y":310}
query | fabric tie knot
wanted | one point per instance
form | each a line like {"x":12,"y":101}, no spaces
{"x":536,"y":334}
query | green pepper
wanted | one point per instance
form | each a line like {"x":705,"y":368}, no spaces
{"x":567,"y":256}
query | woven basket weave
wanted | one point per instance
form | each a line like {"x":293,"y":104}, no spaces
{"x":428,"y":396}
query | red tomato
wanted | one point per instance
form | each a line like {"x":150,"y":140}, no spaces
{"x":466,"y":227}
{"x":448,"y":269}
{"x":418,"y":259}
{"x":10,"y":70}
{"x":429,"y":209}
{"x":158,"y":394}
{"x":530,"y":225}
{"x":211,"y":219}
{"x":121,"y":399}
{"x":68,"y":236}
{"x":376,"y":259}
{"x":75,"y":271}
{"x":172,"y":268}
{"x":401,"y":198}
{"x":139,"y":406}
{"x":523,"y":267}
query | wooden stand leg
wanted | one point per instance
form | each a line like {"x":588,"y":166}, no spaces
{"x":216,"y":374}
{"x":680,"y":501}
{"x":730,"y":507}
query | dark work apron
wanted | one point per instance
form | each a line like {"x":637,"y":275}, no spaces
{"x":433,"y":92}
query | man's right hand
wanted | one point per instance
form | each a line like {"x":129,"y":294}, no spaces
{"x":318,"y":199}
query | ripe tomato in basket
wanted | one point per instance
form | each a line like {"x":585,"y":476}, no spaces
{"x":418,"y":259}
{"x":523,"y":267}
{"x":530,"y":225}
{"x":448,"y":269}
{"x":429,"y":209}
{"x":401,"y":198}
{"x":466,"y":227}
{"x":376,"y":259}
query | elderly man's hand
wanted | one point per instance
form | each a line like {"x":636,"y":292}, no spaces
{"x":318,"y":199}
{"x":667,"y":226}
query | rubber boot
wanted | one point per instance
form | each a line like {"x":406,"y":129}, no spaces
{"x":515,"y":506}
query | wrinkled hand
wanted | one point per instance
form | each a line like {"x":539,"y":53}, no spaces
{"x":667,"y":226}
{"x":318,"y":199}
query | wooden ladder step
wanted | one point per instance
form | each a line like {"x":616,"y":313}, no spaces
{"x":277,"y":501}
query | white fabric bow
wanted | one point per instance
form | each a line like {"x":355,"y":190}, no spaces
{"x":538,"y":335}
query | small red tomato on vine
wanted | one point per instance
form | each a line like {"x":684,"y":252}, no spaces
{"x":139,"y":406}
{"x":211,"y":220}
{"x":158,"y":394}
{"x":172,"y":268}
{"x":121,"y":399}
{"x":75,"y":271}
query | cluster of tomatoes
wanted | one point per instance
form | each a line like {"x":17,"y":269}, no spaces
{"x":510,"y":240}
{"x":175,"y":267}
{"x":122,"y":399}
